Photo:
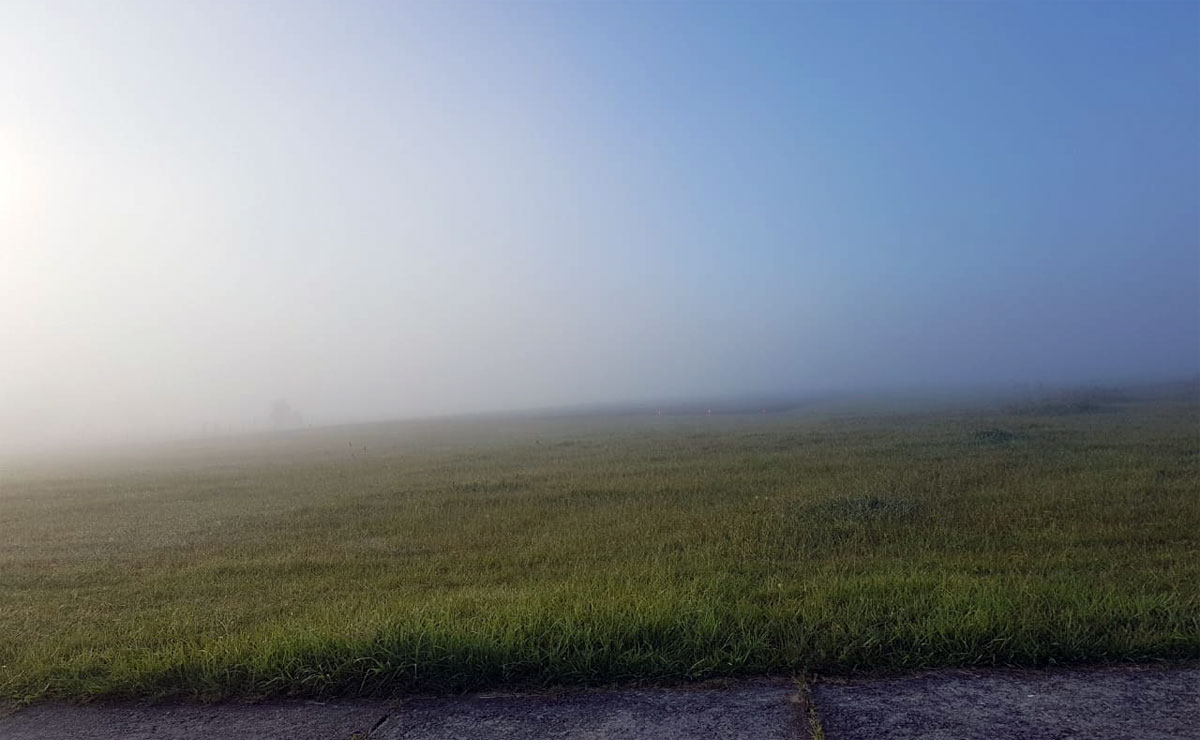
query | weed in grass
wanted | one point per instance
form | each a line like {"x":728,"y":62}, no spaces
{"x":994,"y":436}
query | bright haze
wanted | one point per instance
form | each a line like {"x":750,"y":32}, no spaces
{"x":384,"y":210}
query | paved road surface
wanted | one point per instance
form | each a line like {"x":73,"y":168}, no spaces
{"x":1124,"y":703}
{"x":1098,"y":704}
{"x":757,"y":710}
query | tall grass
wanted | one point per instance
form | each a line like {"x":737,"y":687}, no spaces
{"x":443,"y":556}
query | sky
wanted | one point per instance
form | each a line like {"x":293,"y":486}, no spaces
{"x":385,"y":210}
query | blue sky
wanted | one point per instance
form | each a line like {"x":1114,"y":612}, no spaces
{"x":392,"y":209}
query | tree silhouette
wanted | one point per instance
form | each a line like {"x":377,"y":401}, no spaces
{"x":284,"y":416}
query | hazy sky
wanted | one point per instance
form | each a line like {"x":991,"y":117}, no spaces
{"x":388,"y":209}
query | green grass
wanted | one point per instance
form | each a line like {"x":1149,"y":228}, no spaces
{"x":456,"y":554}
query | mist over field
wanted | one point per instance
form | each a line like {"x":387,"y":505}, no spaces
{"x":223,"y":217}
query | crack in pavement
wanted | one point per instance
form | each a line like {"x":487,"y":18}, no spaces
{"x":378,"y":724}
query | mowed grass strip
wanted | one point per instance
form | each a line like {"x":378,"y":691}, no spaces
{"x":443,"y":556}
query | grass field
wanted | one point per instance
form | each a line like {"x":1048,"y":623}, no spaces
{"x":586,"y":549}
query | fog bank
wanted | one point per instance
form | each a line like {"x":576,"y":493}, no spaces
{"x":380,"y":210}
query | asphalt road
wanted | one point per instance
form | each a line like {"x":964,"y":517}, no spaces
{"x":1116,"y":703}
{"x":1134,"y":703}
